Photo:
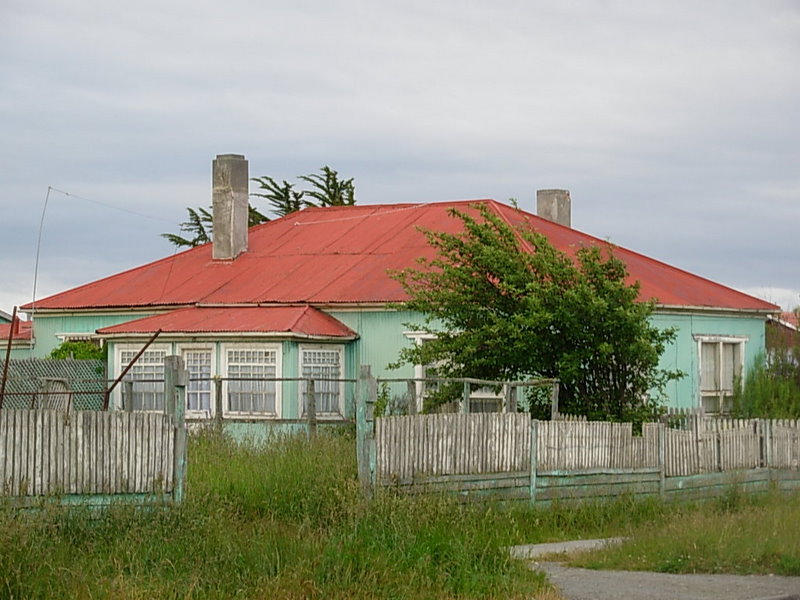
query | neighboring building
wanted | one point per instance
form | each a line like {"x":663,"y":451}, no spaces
{"x":4,"y":317}
{"x":310,"y":295}
{"x":21,"y":338}
{"x":783,"y":334}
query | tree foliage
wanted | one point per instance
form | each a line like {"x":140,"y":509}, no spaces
{"x":325,"y":189}
{"x":771,"y":389}
{"x":79,"y":350}
{"x":503,"y":304}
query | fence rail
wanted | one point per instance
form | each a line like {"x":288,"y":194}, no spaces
{"x":510,"y":456}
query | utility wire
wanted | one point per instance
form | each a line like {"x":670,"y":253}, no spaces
{"x":50,"y":188}
{"x":111,"y":206}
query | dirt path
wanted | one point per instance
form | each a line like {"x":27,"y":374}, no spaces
{"x":587,"y":584}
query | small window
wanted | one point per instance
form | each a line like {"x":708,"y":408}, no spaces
{"x":199,"y":389}
{"x":324,"y":366}
{"x":251,"y":388}
{"x":721,"y":363}
{"x":147,"y":375}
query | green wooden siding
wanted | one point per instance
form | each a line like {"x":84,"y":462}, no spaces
{"x":682,"y":354}
{"x":382,"y":334}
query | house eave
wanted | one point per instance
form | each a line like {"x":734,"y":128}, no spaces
{"x":714,"y":310}
{"x":226,"y":335}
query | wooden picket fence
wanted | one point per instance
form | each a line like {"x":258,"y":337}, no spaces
{"x":512,"y":457}
{"x":96,"y":457}
{"x":56,"y":453}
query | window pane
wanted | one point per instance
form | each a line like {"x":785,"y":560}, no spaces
{"x":710,"y":404}
{"x":198,"y":392}
{"x":257,"y":392}
{"x":147,"y":375}
{"x":709,"y":366}
{"x":321,"y":365}
{"x":728,"y":366}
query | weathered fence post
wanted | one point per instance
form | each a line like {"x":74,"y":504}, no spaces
{"x":662,"y":460}
{"x":554,"y":402}
{"x":534,"y":458}
{"x":311,"y":409}
{"x":412,"y":396}
{"x":127,"y":395}
{"x":175,"y":379}
{"x":766,"y":437}
{"x":465,"y":398}
{"x":366,"y":395}
{"x":218,"y":409}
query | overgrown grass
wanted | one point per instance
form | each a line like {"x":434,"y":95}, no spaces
{"x":284,"y":521}
{"x":735,"y":534}
{"x":288,"y":521}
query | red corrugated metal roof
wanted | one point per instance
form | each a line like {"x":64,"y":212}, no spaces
{"x":22,"y":331}
{"x":340,"y":255}
{"x":297,"y":320}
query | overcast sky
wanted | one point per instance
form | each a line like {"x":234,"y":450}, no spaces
{"x":674,"y":124}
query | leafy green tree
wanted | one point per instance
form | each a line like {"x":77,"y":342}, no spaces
{"x":326,"y":190}
{"x":79,"y":350}
{"x":503,"y":304}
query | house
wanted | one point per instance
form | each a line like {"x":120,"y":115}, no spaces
{"x":21,"y":334}
{"x":783,"y":335}
{"x":309,"y":295}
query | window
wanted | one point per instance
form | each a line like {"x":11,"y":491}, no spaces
{"x":147,"y":375}
{"x":256,"y":391}
{"x":199,"y":389}
{"x":482,"y":399}
{"x":721,"y":361}
{"x":324,"y":365}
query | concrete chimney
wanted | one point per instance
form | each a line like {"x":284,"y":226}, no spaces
{"x":229,"y":196}
{"x":554,"y":205}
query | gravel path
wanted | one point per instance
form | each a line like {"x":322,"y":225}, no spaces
{"x":588,"y":584}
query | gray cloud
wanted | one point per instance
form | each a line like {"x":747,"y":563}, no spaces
{"x":674,"y":124}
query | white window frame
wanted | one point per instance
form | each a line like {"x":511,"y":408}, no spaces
{"x":119,"y":366}
{"x":301,"y":390}
{"x":225,"y":367}
{"x":86,"y":336}
{"x":724,"y":397}
{"x":419,"y":338}
{"x":182,"y":349}
{"x":482,"y":395}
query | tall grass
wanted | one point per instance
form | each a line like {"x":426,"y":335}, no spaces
{"x":735,"y":534}
{"x":279,"y":521}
